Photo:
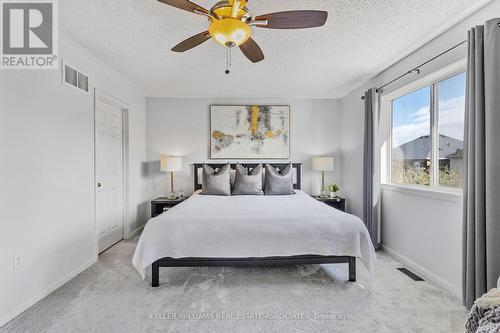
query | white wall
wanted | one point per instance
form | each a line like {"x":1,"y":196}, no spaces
{"x":181,"y":127}
{"x":407,"y":217}
{"x":47,"y":177}
{"x":425,"y":232}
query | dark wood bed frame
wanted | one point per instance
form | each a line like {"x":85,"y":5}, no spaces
{"x":257,"y":261}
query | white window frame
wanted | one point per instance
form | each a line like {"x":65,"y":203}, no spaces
{"x":431,"y":80}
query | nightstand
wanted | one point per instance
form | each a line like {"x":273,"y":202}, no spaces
{"x":337,"y":202}
{"x":160,"y":205}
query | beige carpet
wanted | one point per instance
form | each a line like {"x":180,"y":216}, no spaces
{"x":111,"y":297}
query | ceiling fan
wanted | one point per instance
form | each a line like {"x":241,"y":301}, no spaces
{"x":231,"y":22}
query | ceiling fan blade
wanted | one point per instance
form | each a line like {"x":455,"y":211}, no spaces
{"x":185,"y":5}
{"x":192,"y":42}
{"x":294,"y":19}
{"x":252,"y":51}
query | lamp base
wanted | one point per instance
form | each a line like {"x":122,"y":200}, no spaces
{"x":172,"y":195}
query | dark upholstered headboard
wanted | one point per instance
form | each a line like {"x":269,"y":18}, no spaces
{"x":297,"y":171}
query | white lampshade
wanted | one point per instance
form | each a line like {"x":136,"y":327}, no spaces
{"x":170,"y":163}
{"x":322,"y":163}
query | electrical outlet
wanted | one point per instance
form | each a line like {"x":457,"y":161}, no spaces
{"x":16,"y":262}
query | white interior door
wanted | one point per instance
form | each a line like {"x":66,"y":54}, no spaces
{"x":108,"y":173}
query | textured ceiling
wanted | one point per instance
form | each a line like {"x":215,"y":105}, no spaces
{"x":360,"y":38}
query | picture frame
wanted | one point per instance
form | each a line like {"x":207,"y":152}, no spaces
{"x":250,"y":132}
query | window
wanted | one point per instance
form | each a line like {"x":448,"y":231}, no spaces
{"x":451,"y":109}
{"x":428,"y":133}
{"x":411,"y":133}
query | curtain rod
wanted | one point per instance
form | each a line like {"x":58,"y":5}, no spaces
{"x":417,"y":68}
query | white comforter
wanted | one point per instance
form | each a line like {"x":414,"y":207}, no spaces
{"x":252,"y":226}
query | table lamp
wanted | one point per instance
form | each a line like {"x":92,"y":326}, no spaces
{"x":322,"y":164}
{"x":171,"y":164}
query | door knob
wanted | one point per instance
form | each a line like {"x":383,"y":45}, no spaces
{"x":99,"y":185}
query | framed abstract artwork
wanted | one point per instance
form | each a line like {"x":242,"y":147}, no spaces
{"x":249,"y":132}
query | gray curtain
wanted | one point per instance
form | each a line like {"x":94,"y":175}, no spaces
{"x":481,"y":218}
{"x":371,"y":166}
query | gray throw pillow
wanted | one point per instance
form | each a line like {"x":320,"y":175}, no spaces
{"x":279,"y":182}
{"x":232,"y":177}
{"x":248,"y":184}
{"x":216,"y":182}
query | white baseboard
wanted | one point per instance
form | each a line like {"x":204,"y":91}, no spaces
{"x":423,"y":271}
{"x":50,"y":288}
{"x":134,"y":233}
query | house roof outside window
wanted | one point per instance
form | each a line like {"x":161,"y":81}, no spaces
{"x":420,"y":148}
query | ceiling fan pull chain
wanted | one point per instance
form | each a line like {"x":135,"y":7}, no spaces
{"x":228,"y":60}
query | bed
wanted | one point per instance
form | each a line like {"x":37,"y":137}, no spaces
{"x":207,"y":230}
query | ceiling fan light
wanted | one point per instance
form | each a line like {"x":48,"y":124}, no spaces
{"x":220,"y":38}
{"x":239,"y":35}
{"x":230,"y":31}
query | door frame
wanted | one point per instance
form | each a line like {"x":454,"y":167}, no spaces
{"x":124,"y":106}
